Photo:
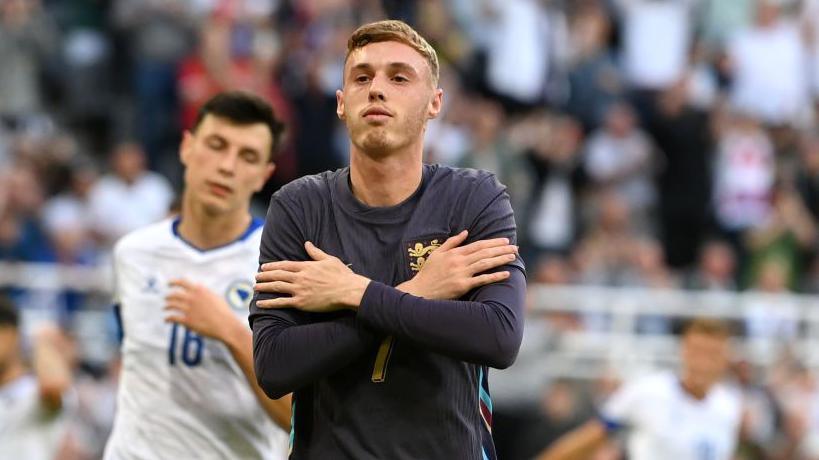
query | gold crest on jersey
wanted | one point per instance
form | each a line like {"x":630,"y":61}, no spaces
{"x":419,"y":253}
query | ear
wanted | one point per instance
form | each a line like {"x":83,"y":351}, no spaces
{"x":436,"y":103}
{"x":340,"y":104}
{"x":269,"y":169}
{"x":185,"y":147}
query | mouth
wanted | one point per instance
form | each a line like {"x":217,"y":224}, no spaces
{"x":219,"y":189}
{"x":376,"y":114}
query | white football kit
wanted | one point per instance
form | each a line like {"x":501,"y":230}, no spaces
{"x":183,"y":396}
{"x":27,"y":429}
{"x":663,"y":421}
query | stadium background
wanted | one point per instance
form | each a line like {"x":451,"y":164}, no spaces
{"x":662,"y":157}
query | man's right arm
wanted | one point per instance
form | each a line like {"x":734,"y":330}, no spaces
{"x":289,"y":355}
{"x":290,"y":349}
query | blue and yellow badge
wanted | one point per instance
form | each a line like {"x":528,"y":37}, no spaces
{"x":419,"y":253}
{"x":238,"y":294}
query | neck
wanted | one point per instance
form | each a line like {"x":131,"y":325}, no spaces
{"x":696,"y":391}
{"x":11,"y":372}
{"x":207,"y":230}
{"x":385,"y":181}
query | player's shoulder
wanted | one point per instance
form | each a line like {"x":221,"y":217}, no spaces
{"x":308,"y":186}
{"x":146,"y":238}
{"x":726,"y":395}
{"x":476,"y":185}
{"x":657,"y":382}
{"x":466,"y":177}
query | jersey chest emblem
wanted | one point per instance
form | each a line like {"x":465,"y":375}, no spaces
{"x":238,"y":294}
{"x":419,"y":253}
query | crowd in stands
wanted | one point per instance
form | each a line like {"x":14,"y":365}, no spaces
{"x":668,"y":144}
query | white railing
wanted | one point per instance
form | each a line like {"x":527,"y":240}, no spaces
{"x":48,"y":276}
{"x":615,"y":327}
{"x":610,"y":320}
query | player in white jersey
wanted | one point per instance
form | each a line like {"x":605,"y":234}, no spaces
{"x":690,"y":416}
{"x":187,"y":389}
{"x":34,"y":406}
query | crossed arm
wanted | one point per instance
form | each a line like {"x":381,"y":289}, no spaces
{"x":291,"y":351}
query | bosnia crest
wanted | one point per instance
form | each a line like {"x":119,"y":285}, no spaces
{"x":238,"y":294}
{"x":419,"y":253}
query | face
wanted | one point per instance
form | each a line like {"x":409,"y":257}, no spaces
{"x":225,"y":163}
{"x":705,"y":359}
{"x":388,"y":97}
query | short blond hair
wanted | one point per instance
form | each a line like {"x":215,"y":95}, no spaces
{"x":394,"y":31}
{"x":713,"y":327}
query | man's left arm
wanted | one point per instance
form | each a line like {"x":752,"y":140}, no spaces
{"x":483,"y":327}
{"x":485,"y":330}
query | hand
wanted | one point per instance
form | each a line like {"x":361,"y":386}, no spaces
{"x":452,"y":271}
{"x":200,"y":310}
{"x":323,"y":284}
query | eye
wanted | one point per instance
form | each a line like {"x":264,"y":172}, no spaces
{"x":250,"y":157}
{"x":400,"y":79}
{"x":362,"y":79}
{"x":216,"y":144}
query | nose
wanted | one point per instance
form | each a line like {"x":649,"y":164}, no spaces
{"x":377,"y":93}
{"x":227,"y":163}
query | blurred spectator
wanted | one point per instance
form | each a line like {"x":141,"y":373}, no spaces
{"x":594,"y":79}
{"x":743,"y":178}
{"x":549,"y":217}
{"x":651,"y":64}
{"x":807,"y":177}
{"x":770,"y":318}
{"x":768,"y":68}
{"x":449,"y":136}
{"x":83,"y":78}
{"x":37,"y":402}
{"x":492,"y":151}
{"x":27,"y":39}
{"x":620,"y":157}
{"x":525,"y":47}
{"x":604,"y":254}
{"x":158,"y":34}
{"x":216,"y":67}
{"x":647,"y":269}
{"x":88,"y":430}
{"x":130,"y":196}
{"x":716,"y":270}
{"x":720,"y":20}
{"x":760,"y":413}
{"x":68,"y":219}
{"x":786,"y":235}
{"x":22,"y":237}
{"x":683,"y":134}
{"x":810,"y":18}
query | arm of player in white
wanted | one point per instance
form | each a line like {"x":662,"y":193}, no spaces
{"x":51,"y":367}
{"x":579,"y":444}
{"x":200,"y":310}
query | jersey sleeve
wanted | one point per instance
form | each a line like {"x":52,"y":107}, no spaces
{"x":622,"y":410}
{"x":293,"y":348}
{"x":484,"y":327}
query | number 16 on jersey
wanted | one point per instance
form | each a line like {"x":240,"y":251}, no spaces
{"x":191,"y":347}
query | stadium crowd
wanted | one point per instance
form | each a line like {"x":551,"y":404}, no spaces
{"x":669,"y":144}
